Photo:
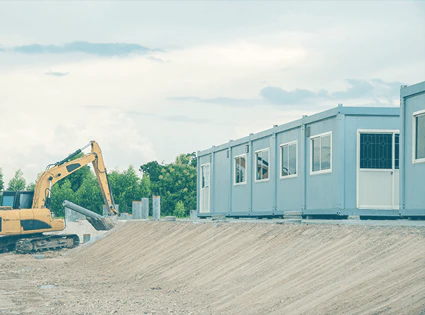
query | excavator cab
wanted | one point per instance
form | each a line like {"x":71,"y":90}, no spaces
{"x":17,"y":199}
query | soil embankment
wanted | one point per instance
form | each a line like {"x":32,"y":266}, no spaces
{"x":225,"y":268}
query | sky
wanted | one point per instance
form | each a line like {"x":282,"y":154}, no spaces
{"x":150,"y":80}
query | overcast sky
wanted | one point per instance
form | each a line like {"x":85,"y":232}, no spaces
{"x":150,"y":80}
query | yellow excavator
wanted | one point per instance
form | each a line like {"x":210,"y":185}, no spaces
{"x":25,"y":215}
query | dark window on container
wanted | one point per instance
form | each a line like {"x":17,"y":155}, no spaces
{"x":420,"y":136}
{"x":240,"y":170}
{"x":397,"y":151}
{"x":376,"y":151}
{"x":1,"y":222}
{"x":29,"y":225}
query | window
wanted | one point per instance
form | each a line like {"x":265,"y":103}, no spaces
{"x":376,"y":151}
{"x":205,"y":171}
{"x":288,"y":160}
{"x":29,"y":225}
{"x":262,"y":159}
{"x":419,"y":137}
{"x":321,"y":153}
{"x":240,"y":169}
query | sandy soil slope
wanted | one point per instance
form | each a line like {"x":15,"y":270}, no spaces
{"x":225,"y":268}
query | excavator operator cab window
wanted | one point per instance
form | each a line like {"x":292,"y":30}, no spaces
{"x":18,"y":199}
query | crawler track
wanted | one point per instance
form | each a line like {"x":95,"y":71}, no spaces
{"x":38,"y":242}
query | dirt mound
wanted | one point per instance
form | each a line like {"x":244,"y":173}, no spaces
{"x":247,"y":268}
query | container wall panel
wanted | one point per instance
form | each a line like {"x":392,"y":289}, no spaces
{"x":289,"y":189}
{"x":321,"y":192}
{"x":241,"y":193}
{"x":262,"y":189}
{"x":414,"y":172}
{"x":221,"y":182}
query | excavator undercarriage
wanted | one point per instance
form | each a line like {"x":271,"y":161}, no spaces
{"x":37,"y":242}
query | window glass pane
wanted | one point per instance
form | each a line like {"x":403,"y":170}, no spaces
{"x":316,"y":154}
{"x":292,"y":159}
{"x":397,"y":151}
{"x":285,"y":161}
{"x":326,"y":153}
{"x":265,"y":165}
{"x":207,"y":176}
{"x":203,"y":176}
{"x":376,"y":151}
{"x":420,"y":137}
{"x":259,"y":162}
{"x":240,"y":169}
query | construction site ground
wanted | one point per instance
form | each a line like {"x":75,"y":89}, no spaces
{"x":183,"y":267}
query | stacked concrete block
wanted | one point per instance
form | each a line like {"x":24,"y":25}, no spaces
{"x":137,"y":209}
{"x":156,"y":207}
{"x":193,"y":215}
{"x":145,"y":208}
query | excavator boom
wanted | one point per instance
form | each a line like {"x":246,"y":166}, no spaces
{"x":66,"y":167}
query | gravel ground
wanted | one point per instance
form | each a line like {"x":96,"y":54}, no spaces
{"x":224,"y":268}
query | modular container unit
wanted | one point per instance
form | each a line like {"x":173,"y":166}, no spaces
{"x":335,"y":163}
{"x":412,"y":158}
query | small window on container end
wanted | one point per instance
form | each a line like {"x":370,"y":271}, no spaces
{"x":240,"y":169}
{"x":321,"y":153}
{"x":419,"y":137}
{"x":262,"y":159}
{"x":288,"y":160}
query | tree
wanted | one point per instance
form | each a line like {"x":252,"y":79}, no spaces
{"x":89,"y":195}
{"x":174,"y":182}
{"x":145,"y":187}
{"x":59,"y":194}
{"x":1,"y":180}
{"x":30,"y":186}
{"x":179,"y":209}
{"x":18,"y":182}
{"x":126,"y":187}
{"x":1,"y":185}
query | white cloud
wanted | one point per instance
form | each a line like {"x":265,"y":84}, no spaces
{"x":226,"y":50}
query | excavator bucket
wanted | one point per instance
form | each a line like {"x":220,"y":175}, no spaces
{"x":99,"y":223}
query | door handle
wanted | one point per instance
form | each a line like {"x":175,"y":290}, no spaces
{"x":392,"y":172}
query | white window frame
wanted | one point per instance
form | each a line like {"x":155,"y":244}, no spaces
{"x":329,"y":133}
{"x":209,"y":175}
{"x":256,"y":165}
{"x":414,"y":159}
{"x":296,"y":159}
{"x":234,"y":170}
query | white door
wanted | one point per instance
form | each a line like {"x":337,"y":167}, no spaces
{"x":205,"y":189}
{"x":378,"y":169}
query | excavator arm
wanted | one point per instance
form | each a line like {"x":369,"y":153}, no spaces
{"x":65,"y":167}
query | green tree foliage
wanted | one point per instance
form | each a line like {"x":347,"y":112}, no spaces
{"x":1,"y":185}
{"x":126,"y":187}
{"x":30,"y":186}
{"x":179,"y":209}
{"x":174,"y":182}
{"x":1,"y":180}
{"x":89,"y":195}
{"x":59,"y":194}
{"x":145,"y":187}
{"x":18,"y":181}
